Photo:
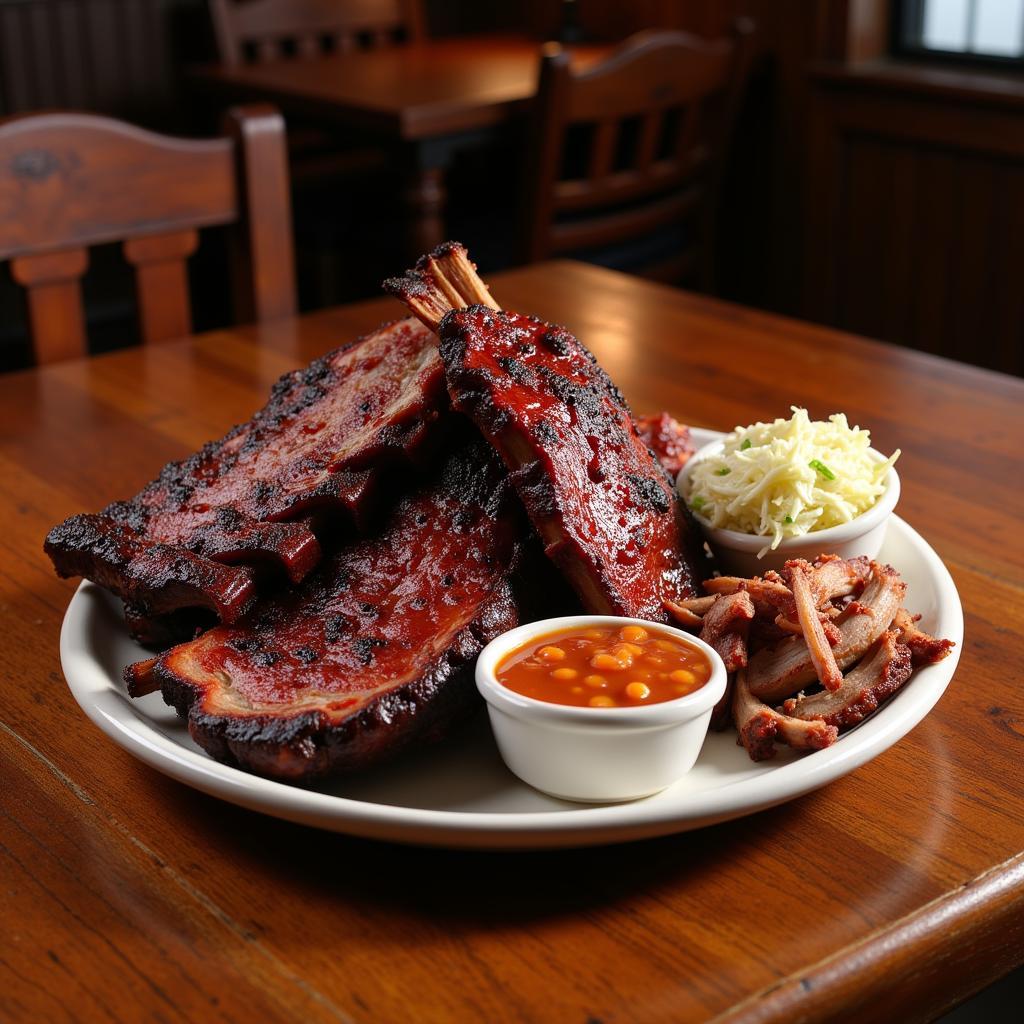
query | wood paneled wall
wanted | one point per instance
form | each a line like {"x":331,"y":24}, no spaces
{"x":120,"y":57}
{"x":915,"y":217}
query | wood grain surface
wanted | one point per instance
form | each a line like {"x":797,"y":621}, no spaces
{"x":891,"y":894}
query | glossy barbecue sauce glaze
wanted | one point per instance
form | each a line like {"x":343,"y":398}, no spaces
{"x":605,"y":667}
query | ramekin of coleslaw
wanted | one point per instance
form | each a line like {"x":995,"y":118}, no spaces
{"x":793,"y":488}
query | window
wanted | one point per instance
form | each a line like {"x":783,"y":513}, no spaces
{"x":979,"y":30}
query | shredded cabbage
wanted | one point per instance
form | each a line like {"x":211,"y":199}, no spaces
{"x":787,"y":478}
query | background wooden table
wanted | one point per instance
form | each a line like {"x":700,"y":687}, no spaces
{"x":428,"y":98}
{"x":888,"y":895}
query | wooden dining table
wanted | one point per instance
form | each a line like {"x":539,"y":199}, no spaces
{"x":890,"y":894}
{"x":426,"y":100}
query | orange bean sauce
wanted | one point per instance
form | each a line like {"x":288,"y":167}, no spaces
{"x":605,"y":667}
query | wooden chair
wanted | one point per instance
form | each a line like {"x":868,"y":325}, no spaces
{"x":69,"y":181}
{"x":655,"y":118}
{"x":251,"y":31}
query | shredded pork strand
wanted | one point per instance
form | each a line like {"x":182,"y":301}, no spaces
{"x":833,"y":577}
{"x":760,"y":726}
{"x":683,"y":615}
{"x":769,"y":597}
{"x":924,"y":648}
{"x":880,"y":674}
{"x":697,"y":605}
{"x":779,"y":672}
{"x":798,"y":573}
{"x":828,"y":627}
{"x":725,"y":628}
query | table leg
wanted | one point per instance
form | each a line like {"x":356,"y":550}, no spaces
{"x":425,"y":197}
{"x":426,"y":191}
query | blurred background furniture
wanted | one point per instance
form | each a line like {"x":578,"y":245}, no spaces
{"x":266,"y":30}
{"x":873,"y":180}
{"x":334,"y":174}
{"x":428,"y":101}
{"x":640,"y":193}
{"x":69,"y":181}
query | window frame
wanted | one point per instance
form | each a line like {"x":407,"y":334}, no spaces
{"x":906,"y":41}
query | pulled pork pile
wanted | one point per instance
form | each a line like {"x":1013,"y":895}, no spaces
{"x":810,"y":651}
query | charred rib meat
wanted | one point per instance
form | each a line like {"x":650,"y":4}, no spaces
{"x":192,"y":537}
{"x":605,"y":509}
{"x":668,"y":439}
{"x":374,"y":650}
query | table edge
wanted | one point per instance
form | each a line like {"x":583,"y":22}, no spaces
{"x":875,"y":973}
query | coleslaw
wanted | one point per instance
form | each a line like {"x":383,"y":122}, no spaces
{"x":787,"y":478}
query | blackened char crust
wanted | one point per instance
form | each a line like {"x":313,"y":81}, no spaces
{"x":605,"y":508}
{"x":375,"y":649}
{"x":308,"y":746}
{"x":193,"y":537}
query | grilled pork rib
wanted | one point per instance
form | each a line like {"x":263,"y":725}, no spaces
{"x":605,"y":508}
{"x":193,"y":536}
{"x":668,"y":439}
{"x":375,"y":649}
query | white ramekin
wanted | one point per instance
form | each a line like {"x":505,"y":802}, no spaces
{"x":596,"y":754}
{"x":737,"y":552}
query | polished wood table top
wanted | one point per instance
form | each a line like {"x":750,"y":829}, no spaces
{"x":411,"y":92}
{"x":888,"y":895}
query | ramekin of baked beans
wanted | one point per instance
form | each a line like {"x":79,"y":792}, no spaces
{"x":599,"y":708}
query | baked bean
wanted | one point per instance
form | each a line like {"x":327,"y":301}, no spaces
{"x":549,"y":653}
{"x":637,"y":690}
{"x":634,"y":634}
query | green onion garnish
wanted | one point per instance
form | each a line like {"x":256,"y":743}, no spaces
{"x":746,"y":444}
{"x":788,"y":520}
{"x":820,"y":467}
{"x":724,"y":471}
{"x":697,"y":501}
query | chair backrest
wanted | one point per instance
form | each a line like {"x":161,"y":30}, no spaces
{"x":69,"y":181}
{"x":652,"y":123}
{"x":254,"y":31}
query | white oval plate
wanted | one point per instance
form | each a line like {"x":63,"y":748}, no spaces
{"x":460,"y":794}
